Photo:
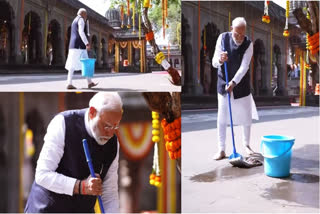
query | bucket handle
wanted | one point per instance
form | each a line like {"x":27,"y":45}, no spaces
{"x":276,"y":156}
{"x":82,"y":54}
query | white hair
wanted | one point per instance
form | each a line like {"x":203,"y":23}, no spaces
{"x":238,"y":22}
{"x":81,"y":10}
{"x":106,"y":101}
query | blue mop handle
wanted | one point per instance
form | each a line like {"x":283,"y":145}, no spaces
{"x":88,"y":157}
{"x":230,"y":112}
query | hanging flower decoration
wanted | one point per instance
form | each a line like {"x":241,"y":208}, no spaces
{"x":122,"y":15}
{"x":164,"y":16}
{"x":286,"y":31}
{"x":139,"y":19}
{"x":314,"y":43}
{"x":172,"y":136}
{"x":266,"y":17}
{"x":155,"y":177}
{"x":133,"y":18}
{"x":128,"y":14}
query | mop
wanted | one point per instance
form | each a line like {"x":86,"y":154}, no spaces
{"x":235,"y":158}
{"x":88,"y":157}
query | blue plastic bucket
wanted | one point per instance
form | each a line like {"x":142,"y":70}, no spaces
{"x":276,"y":150}
{"x":88,"y":66}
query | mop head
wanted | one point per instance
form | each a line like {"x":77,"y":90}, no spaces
{"x":247,"y":162}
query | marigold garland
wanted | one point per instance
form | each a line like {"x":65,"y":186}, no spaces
{"x":266,"y":17}
{"x":172,"y":136}
{"x":122,"y":15}
{"x":155,"y":177}
{"x":313,"y":43}
{"x":128,"y":13}
{"x":133,"y":17}
{"x":164,"y":16}
{"x":155,"y":180}
{"x":286,"y":31}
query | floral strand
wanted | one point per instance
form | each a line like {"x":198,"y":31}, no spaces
{"x":172,"y":136}
{"x":266,"y":17}
{"x":128,"y":13}
{"x":286,"y":31}
{"x":155,"y":177}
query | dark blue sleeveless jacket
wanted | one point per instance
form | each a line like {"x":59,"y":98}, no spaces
{"x":235,"y":55}
{"x":73,"y":164}
{"x":75,"y":39}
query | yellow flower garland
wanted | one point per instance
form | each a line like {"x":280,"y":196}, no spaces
{"x":155,"y":177}
{"x":286,"y":31}
{"x":266,"y":17}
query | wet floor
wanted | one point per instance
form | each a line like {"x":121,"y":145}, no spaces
{"x":292,"y":190}
{"x":217,"y":186}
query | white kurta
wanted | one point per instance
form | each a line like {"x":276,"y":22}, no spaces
{"x":243,"y":109}
{"x":50,"y":156}
{"x":73,"y":61}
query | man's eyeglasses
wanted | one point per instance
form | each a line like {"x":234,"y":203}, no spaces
{"x":109,"y":128}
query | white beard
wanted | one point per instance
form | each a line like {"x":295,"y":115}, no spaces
{"x":101,"y":140}
{"x":238,"y":44}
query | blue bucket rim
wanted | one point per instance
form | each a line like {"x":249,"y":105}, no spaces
{"x":87,"y":59}
{"x":267,"y":138}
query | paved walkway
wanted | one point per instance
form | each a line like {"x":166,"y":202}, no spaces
{"x":216,"y":186}
{"x":156,"y":81}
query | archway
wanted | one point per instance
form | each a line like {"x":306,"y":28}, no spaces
{"x":111,"y":52}
{"x":208,"y":77}
{"x":103,"y":52}
{"x":54,"y":53}
{"x":277,"y":74}
{"x":6,"y":32}
{"x":94,"y":46}
{"x":32,"y":38}
{"x":259,"y":63}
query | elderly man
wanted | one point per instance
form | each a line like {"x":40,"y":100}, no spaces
{"x":62,"y":181}
{"x":236,"y":49}
{"x":78,"y":47}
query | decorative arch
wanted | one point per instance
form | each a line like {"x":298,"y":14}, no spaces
{"x":6,"y":32}
{"x":94,"y":46}
{"x":103,"y":51}
{"x":208,"y":79}
{"x":259,"y":65}
{"x":277,"y":73}
{"x":32,"y":38}
{"x":54,"y":43}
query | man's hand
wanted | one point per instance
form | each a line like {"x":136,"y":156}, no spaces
{"x":223,"y":57}
{"x":92,"y":186}
{"x":88,"y":47}
{"x":230,"y":86}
